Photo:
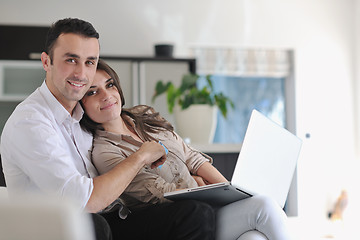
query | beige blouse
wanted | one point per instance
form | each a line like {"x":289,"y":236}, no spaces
{"x":149,"y":185}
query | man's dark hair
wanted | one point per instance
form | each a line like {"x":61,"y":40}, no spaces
{"x":68,"y":25}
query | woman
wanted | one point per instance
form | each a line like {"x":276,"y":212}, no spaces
{"x":119,"y":132}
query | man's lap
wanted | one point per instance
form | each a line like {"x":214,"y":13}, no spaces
{"x":162,"y":220}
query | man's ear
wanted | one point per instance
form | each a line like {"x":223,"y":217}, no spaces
{"x":46,"y":61}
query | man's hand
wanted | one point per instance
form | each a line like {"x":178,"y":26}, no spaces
{"x":154,"y":153}
{"x":110,"y":185}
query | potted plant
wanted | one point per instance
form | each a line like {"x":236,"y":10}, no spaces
{"x":197,"y":107}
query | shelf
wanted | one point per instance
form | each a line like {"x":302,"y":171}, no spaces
{"x":18,"y":79}
{"x":13,"y":98}
{"x":191,"y":61}
{"x":218,"y":147}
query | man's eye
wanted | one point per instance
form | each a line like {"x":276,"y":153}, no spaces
{"x":90,"y":62}
{"x":70,"y":60}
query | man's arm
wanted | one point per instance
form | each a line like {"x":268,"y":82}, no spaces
{"x":109,"y":186}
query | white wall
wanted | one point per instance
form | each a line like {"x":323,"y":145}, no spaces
{"x":322,"y":34}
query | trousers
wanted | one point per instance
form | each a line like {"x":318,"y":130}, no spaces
{"x":255,"y":218}
{"x":238,"y":220}
{"x":101,"y":227}
{"x":182,"y":220}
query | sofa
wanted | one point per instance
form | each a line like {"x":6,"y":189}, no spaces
{"x":23,"y":219}
{"x":34,"y":217}
{"x":42,"y":218}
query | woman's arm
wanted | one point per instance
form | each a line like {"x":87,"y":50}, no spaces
{"x":210,"y":174}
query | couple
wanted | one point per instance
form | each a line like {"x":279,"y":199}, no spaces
{"x":45,"y":150}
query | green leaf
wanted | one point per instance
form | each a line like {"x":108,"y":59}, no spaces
{"x":188,"y":94}
{"x":209,"y":82}
{"x":160,"y":88}
{"x":171,"y":97}
{"x":188,"y":82}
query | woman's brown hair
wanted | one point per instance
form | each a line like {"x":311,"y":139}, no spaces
{"x":146,"y":120}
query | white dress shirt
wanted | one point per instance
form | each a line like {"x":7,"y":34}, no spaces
{"x":44,"y":149}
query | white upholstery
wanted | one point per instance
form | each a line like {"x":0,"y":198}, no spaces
{"x":252,"y":235}
{"x":40,"y":218}
{"x":33,"y":218}
{"x":3,"y":193}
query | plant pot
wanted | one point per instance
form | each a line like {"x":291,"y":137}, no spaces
{"x":197,"y":123}
{"x":164,"y":50}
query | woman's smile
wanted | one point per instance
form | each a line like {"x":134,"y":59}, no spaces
{"x":108,"y":106}
{"x":102,"y":102}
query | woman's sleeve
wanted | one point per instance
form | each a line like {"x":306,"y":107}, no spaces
{"x":193,"y":158}
{"x":105,"y":156}
{"x":149,"y":187}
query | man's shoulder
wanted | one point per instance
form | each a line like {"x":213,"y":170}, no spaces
{"x":33,"y":108}
{"x":23,"y":124}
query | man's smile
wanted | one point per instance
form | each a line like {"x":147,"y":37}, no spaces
{"x":77,"y":84}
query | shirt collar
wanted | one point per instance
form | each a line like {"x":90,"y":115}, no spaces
{"x":60,"y":113}
{"x":112,"y":137}
{"x":118,"y":138}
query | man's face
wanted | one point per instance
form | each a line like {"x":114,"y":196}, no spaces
{"x":73,"y":67}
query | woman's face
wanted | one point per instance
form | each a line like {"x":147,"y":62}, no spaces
{"x":102,"y":101}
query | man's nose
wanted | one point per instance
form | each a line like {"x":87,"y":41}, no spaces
{"x":80,"y":71}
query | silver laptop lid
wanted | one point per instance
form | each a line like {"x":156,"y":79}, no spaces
{"x":267,"y":159}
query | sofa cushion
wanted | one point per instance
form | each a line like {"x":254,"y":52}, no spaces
{"x":3,"y":193}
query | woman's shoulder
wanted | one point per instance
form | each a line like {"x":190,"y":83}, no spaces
{"x":106,"y":151}
{"x":147,"y":114}
{"x":105,"y":140}
{"x":145,"y":109}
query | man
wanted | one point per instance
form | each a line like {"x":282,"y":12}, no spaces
{"x":44,"y":149}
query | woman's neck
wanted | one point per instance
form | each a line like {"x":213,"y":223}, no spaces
{"x":120,"y":127}
{"x":116,"y":126}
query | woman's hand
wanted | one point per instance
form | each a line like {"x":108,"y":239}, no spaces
{"x":200,"y":181}
{"x":210,"y":174}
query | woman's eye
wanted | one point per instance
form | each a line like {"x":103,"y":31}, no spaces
{"x":110,"y":85}
{"x":90,"y":93}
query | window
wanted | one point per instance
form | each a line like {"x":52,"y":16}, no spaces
{"x":252,"y":78}
{"x":265,"y":94}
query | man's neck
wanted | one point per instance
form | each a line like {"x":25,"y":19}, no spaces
{"x":68,"y":105}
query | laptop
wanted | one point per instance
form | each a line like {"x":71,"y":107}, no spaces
{"x":265,"y":165}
